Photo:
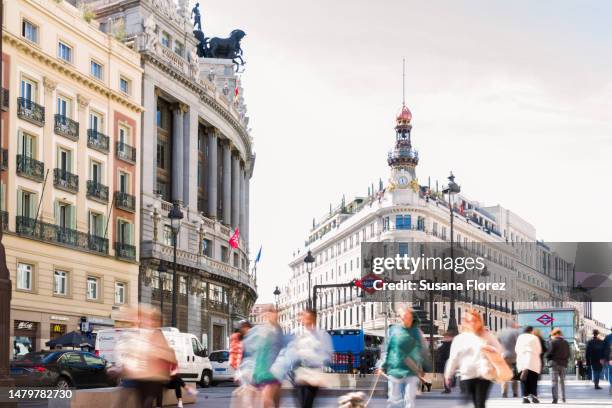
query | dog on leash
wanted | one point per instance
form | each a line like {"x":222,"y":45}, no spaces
{"x":352,"y":400}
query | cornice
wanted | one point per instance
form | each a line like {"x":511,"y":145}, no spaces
{"x":68,"y":70}
{"x":204,"y":96}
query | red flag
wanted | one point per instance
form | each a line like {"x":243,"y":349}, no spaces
{"x":236,"y":90}
{"x":233,"y":241}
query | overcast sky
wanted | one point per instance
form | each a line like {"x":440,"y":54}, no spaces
{"x":514,"y":97}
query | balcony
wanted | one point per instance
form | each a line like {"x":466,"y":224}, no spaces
{"x":3,"y":159}
{"x":215,"y":305}
{"x":97,"y":141}
{"x":126,"y":152}
{"x":55,"y":234}
{"x":4,"y":218}
{"x":97,"y":191}
{"x":30,"y":168}
{"x":30,"y":111}
{"x":125,"y":251}
{"x":125,"y":201}
{"x":5,"y":99}
{"x":65,"y":180}
{"x":66,"y":127}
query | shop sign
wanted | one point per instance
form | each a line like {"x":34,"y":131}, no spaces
{"x":58,"y":328}
{"x":60,"y":318}
{"x":103,"y":321}
{"x":25,"y":325}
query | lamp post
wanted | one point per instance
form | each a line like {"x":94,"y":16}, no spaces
{"x":445,"y":320}
{"x":277,"y":293}
{"x":452,"y":188}
{"x":175,"y":215}
{"x":309,"y":260}
{"x":485,"y":274}
{"x":161,"y":271}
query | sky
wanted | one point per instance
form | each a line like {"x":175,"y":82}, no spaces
{"x":513,"y":97}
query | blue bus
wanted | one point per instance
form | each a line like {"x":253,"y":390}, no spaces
{"x":354,"y":348}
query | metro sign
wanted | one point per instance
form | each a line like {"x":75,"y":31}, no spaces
{"x":366,"y":283}
{"x":545,"y":319}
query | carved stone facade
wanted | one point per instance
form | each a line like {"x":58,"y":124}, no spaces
{"x":197,"y":151}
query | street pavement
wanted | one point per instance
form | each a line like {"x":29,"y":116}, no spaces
{"x":580,"y":394}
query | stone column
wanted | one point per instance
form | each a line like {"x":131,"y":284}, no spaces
{"x":247,"y":226}
{"x":81,"y":160}
{"x":47,"y":151}
{"x":177,"y":152}
{"x":212,"y":175}
{"x":227,"y":183}
{"x":148,"y":168}
{"x":194,"y":308}
{"x":190,"y":152}
{"x":242,"y":200}
{"x":235,"y":190}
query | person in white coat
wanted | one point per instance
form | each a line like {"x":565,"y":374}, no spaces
{"x":529,"y":364}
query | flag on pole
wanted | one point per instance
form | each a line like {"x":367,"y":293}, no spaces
{"x":233,"y":241}
{"x":236,"y":90}
{"x":258,"y":257}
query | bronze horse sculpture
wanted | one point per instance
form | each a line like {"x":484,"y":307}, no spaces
{"x":225,"y":48}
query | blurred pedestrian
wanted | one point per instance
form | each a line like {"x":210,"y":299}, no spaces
{"x":558,"y":355}
{"x":177,"y":384}
{"x":528,"y":363}
{"x":595,"y":357}
{"x":538,"y":334}
{"x":580,"y":369}
{"x":467,"y":357}
{"x":608,"y":358}
{"x":507,"y":338}
{"x":401,"y":360}
{"x":236,"y":348}
{"x":145,"y":359}
{"x":442,"y":355}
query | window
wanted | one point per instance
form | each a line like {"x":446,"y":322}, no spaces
{"x":97,"y":70}
{"x":182,"y":285}
{"x":29,"y":31}
{"x":124,"y":136}
{"x":165,"y":39}
{"x":91,"y":360}
{"x":60,"y":283}
{"x":64,"y":215}
{"x":224,"y":254}
{"x":236,"y":260}
{"x":95,"y":171}
{"x":64,"y":160}
{"x":402,"y":222}
{"x":96,"y":121}
{"x":63,"y":106}
{"x":64,"y":51}
{"x":179,"y":48}
{"x":124,"y":85}
{"x":29,"y":90}
{"x":207,"y":247}
{"x":92,"y":288}
{"x":26,"y":202}
{"x":161,"y":153}
{"x":124,"y":182}
{"x":96,"y":224}
{"x":24,"y":276}
{"x":168,"y":235}
{"x":125,"y":232}
{"x":119,"y":293}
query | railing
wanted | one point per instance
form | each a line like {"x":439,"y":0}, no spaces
{"x":30,"y":168}
{"x":4,"y":217}
{"x":125,"y":251}
{"x":66,"y":127}
{"x":3,"y":159}
{"x":126,"y":152}
{"x":43,"y":231}
{"x":125,"y":201}
{"x":97,"y":191}
{"x":5,"y":99}
{"x":65,"y":180}
{"x":30,"y":111}
{"x":215,"y":305}
{"x":97,"y":141}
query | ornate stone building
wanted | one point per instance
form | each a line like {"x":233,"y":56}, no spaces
{"x":197,"y":152}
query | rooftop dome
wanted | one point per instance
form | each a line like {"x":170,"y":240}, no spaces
{"x":405,"y":116}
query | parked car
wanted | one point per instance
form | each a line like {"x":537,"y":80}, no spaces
{"x":60,"y":368}
{"x":222,"y":371}
{"x":193,"y":363}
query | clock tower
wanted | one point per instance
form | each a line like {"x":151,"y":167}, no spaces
{"x":403,"y":159}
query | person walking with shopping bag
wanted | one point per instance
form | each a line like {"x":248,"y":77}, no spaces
{"x":507,"y":338}
{"x":401,"y":360}
{"x":529,"y":364}
{"x":558,"y":355}
{"x":468,"y":356}
{"x":595,"y":357}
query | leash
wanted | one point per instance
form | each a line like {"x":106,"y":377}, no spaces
{"x":380,"y":373}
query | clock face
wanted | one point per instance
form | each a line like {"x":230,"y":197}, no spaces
{"x":402,"y":181}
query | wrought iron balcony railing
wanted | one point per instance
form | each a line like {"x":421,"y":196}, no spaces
{"x":126,"y":152}
{"x":125,"y":251}
{"x":97,"y":191}
{"x":30,"y":168}
{"x":30,"y":111}
{"x":97,"y":141}
{"x":3,"y":159}
{"x":5,"y":99}
{"x":4,"y":217}
{"x":56,"y":234}
{"x":66,"y":127}
{"x":125,"y":201}
{"x":65,"y":180}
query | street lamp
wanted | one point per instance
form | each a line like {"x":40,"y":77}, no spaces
{"x":161,"y":272}
{"x":485,"y":274}
{"x":277,"y":293}
{"x":309,"y":260}
{"x":452,"y":188}
{"x":444,"y":320}
{"x":175,"y":215}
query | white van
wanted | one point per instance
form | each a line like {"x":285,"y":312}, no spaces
{"x":222,"y":371}
{"x":193,"y":364}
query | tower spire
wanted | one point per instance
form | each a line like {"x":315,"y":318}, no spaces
{"x":403,"y":81}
